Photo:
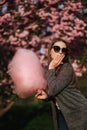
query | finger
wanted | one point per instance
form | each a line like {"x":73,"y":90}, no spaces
{"x":38,"y":92}
{"x":59,"y":60}
{"x":59,"y":56}
{"x":38,"y":95}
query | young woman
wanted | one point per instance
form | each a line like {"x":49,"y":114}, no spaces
{"x":70,"y":105}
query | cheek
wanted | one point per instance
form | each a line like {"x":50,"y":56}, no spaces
{"x":52,"y":54}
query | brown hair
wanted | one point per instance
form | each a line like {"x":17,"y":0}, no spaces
{"x":66,"y":59}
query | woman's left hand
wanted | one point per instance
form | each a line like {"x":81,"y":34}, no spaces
{"x":41,"y":94}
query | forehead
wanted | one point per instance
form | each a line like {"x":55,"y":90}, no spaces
{"x":60,"y":43}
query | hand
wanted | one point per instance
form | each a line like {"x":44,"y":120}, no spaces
{"x":56,"y":61}
{"x":41,"y":94}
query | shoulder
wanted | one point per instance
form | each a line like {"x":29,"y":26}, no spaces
{"x":67,"y":66}
{"x":66,"y":69}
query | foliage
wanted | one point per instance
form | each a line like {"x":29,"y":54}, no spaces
{"x":28,"y":114}
{"x":83,"y":57}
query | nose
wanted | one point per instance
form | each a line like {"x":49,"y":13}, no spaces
{"x":60,"y":51}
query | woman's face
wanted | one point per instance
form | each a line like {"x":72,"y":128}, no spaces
{"x":59,"y":48}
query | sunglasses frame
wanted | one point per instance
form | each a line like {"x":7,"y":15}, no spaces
{"x":58,"y":48}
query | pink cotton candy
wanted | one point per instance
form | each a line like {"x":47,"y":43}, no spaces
{"x":27,"y":73}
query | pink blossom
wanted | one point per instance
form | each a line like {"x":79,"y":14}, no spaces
{"x":32,"y":26}
{"x":2,"y":2}
{"x":34,"y":40}
{"x":21,"y":11}
{"x":23,"y":34}
{"x":77,"y":69}
{"x":52,"y":1}
{"x":12,"y":38}
{"x":84,"y":69}
{"x":7,"y":17}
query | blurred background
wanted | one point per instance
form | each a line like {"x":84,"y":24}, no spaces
{"x":34,"y":24}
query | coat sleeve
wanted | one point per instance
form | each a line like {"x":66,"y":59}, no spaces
{"x":56,"y":84}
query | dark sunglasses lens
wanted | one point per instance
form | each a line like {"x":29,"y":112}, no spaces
{"x":56,"y":48}
{"x":64,"y":50}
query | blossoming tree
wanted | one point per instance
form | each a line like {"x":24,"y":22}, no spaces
{"x":35,"y":24}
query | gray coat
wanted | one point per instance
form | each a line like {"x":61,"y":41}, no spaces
{"x":72,"y":103}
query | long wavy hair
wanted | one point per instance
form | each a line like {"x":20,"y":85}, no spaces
{"x":66,"y":58}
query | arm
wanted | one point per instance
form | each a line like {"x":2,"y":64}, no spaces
{"x":56,"y":84}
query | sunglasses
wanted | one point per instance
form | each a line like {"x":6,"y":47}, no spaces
{"x":57,"y":49}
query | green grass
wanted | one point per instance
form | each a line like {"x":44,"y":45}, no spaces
{"x":31,"y":114}
{"x":28,"y":114}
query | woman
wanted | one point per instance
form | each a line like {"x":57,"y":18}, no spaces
{"x":70,"y":105}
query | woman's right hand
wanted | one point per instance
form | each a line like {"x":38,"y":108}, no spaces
{"x":41,"y":94}
{"x":56,"y":61}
